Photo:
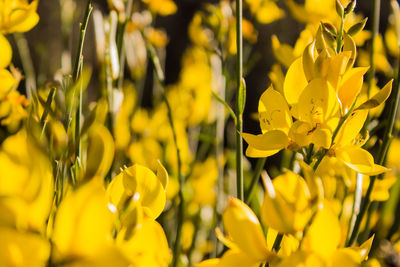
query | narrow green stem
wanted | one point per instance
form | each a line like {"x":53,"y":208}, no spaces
{"x":43,"y":119}
{"x":78,"y":66}
{"x":339,"y":41}
{"x":254,"y":180}
{"x":388,"y":135}
{"x":277,"y":242}
{"x":161,"y":78}
{"x":27,"y":64}
{"x":375,"y":32}
{"x":239,"y":125}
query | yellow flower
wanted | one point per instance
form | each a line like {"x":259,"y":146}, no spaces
{"x":141,"y":184}
{"x":77,"y":231}
{"x":6,"y":52}
{"x":245,"y":238}
{"x":265,"y":11}
{"x":18,"y":15}
{"x":286,"y":206}
{"x":162,"y":7}
{"x":275,"y":122}
{"x":26,"y":183}
{"x":19,"y":249}
{"x":345,"y":146}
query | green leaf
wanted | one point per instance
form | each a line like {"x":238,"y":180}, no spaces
{"x":358,"y":27}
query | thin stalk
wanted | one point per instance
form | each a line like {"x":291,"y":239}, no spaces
{"x":239,"y":125}
{"x":43,"y":119}
{"x":27,"y":64}
{"x":76,"y":73}
{"x":161,"y":78}
{"x":339,"y":41}
{"x":79,"y":54}
{"x":371,"y":72}
{"x":277,"y":242}
{"x":388,"y":135}
{"x":254,"y":180}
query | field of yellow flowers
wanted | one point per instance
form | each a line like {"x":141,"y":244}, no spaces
{"x":108,"y":162}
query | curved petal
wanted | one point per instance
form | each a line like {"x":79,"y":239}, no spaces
{"x":350,"y":86}
{"x":256,"y":153}
{"x":141,"y":180}
{"x":274,"y":111}
{"x":318,"y":102}
{"x":351,"y":127}
{"x":356,"y":158}
{"x":271,"y":140}
{"x":239,"y":216}
{"x":6,"y":52}
{"x":295,"y":81}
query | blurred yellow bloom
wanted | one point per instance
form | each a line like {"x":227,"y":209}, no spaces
{"x":286,"y":206}
{"x":265,"y":11}
{"x":77,"y":232}
{"x":245,"y":238}
{"x":18,"y":15}
{"x":345,"y":146}
{"x":203,"y":182}
{"x":100,"y":152}
{"x":26,"y":183}
{"x":162,"y":7}
{"x":140,"y":183}
{"x":19,"y":249}
{"x":6,"y":52}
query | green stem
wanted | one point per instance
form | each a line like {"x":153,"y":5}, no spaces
{"x":388,"y":135}
{"x":43,"y":119}
{"x":239,"y":125}
{"x":78,"y":66}
{"x":277,"y":242}
{"x":339,"y":41}
{"x":27,"y":64}
{"x":254,"y":180}
{"x":161,"y":78}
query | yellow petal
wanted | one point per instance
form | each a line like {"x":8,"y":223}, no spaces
{"x":6,"y":52}
{"x":322,"y":137}
{"x":358,"y":159}
{"x":317,"y":238}
{"x":271,"y":140}
{"x":318,"y":102}
{"x":77,"y":227}
{"x":100,"y":153}
{"x":256,"y":153}
{"x":269,"y":12}
{"x":148,"y":246}
{"x":142,"y":181}
{"x":273,"y":111}
{"x":346,"y":257}
{"x":337,"y":67}
{"x":22,"y":249}
{"x":237,"y":258}
{"x":378,"y":98}
{"x":239,"y":216}
{"x":162,"y":174}
{"x":351,"y":128}
{"x":282,"y":52}
{"x":295,"y":81}
{"x":286,"y":205}
{"x":7,"y":82}
{"x":350,"y":86}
